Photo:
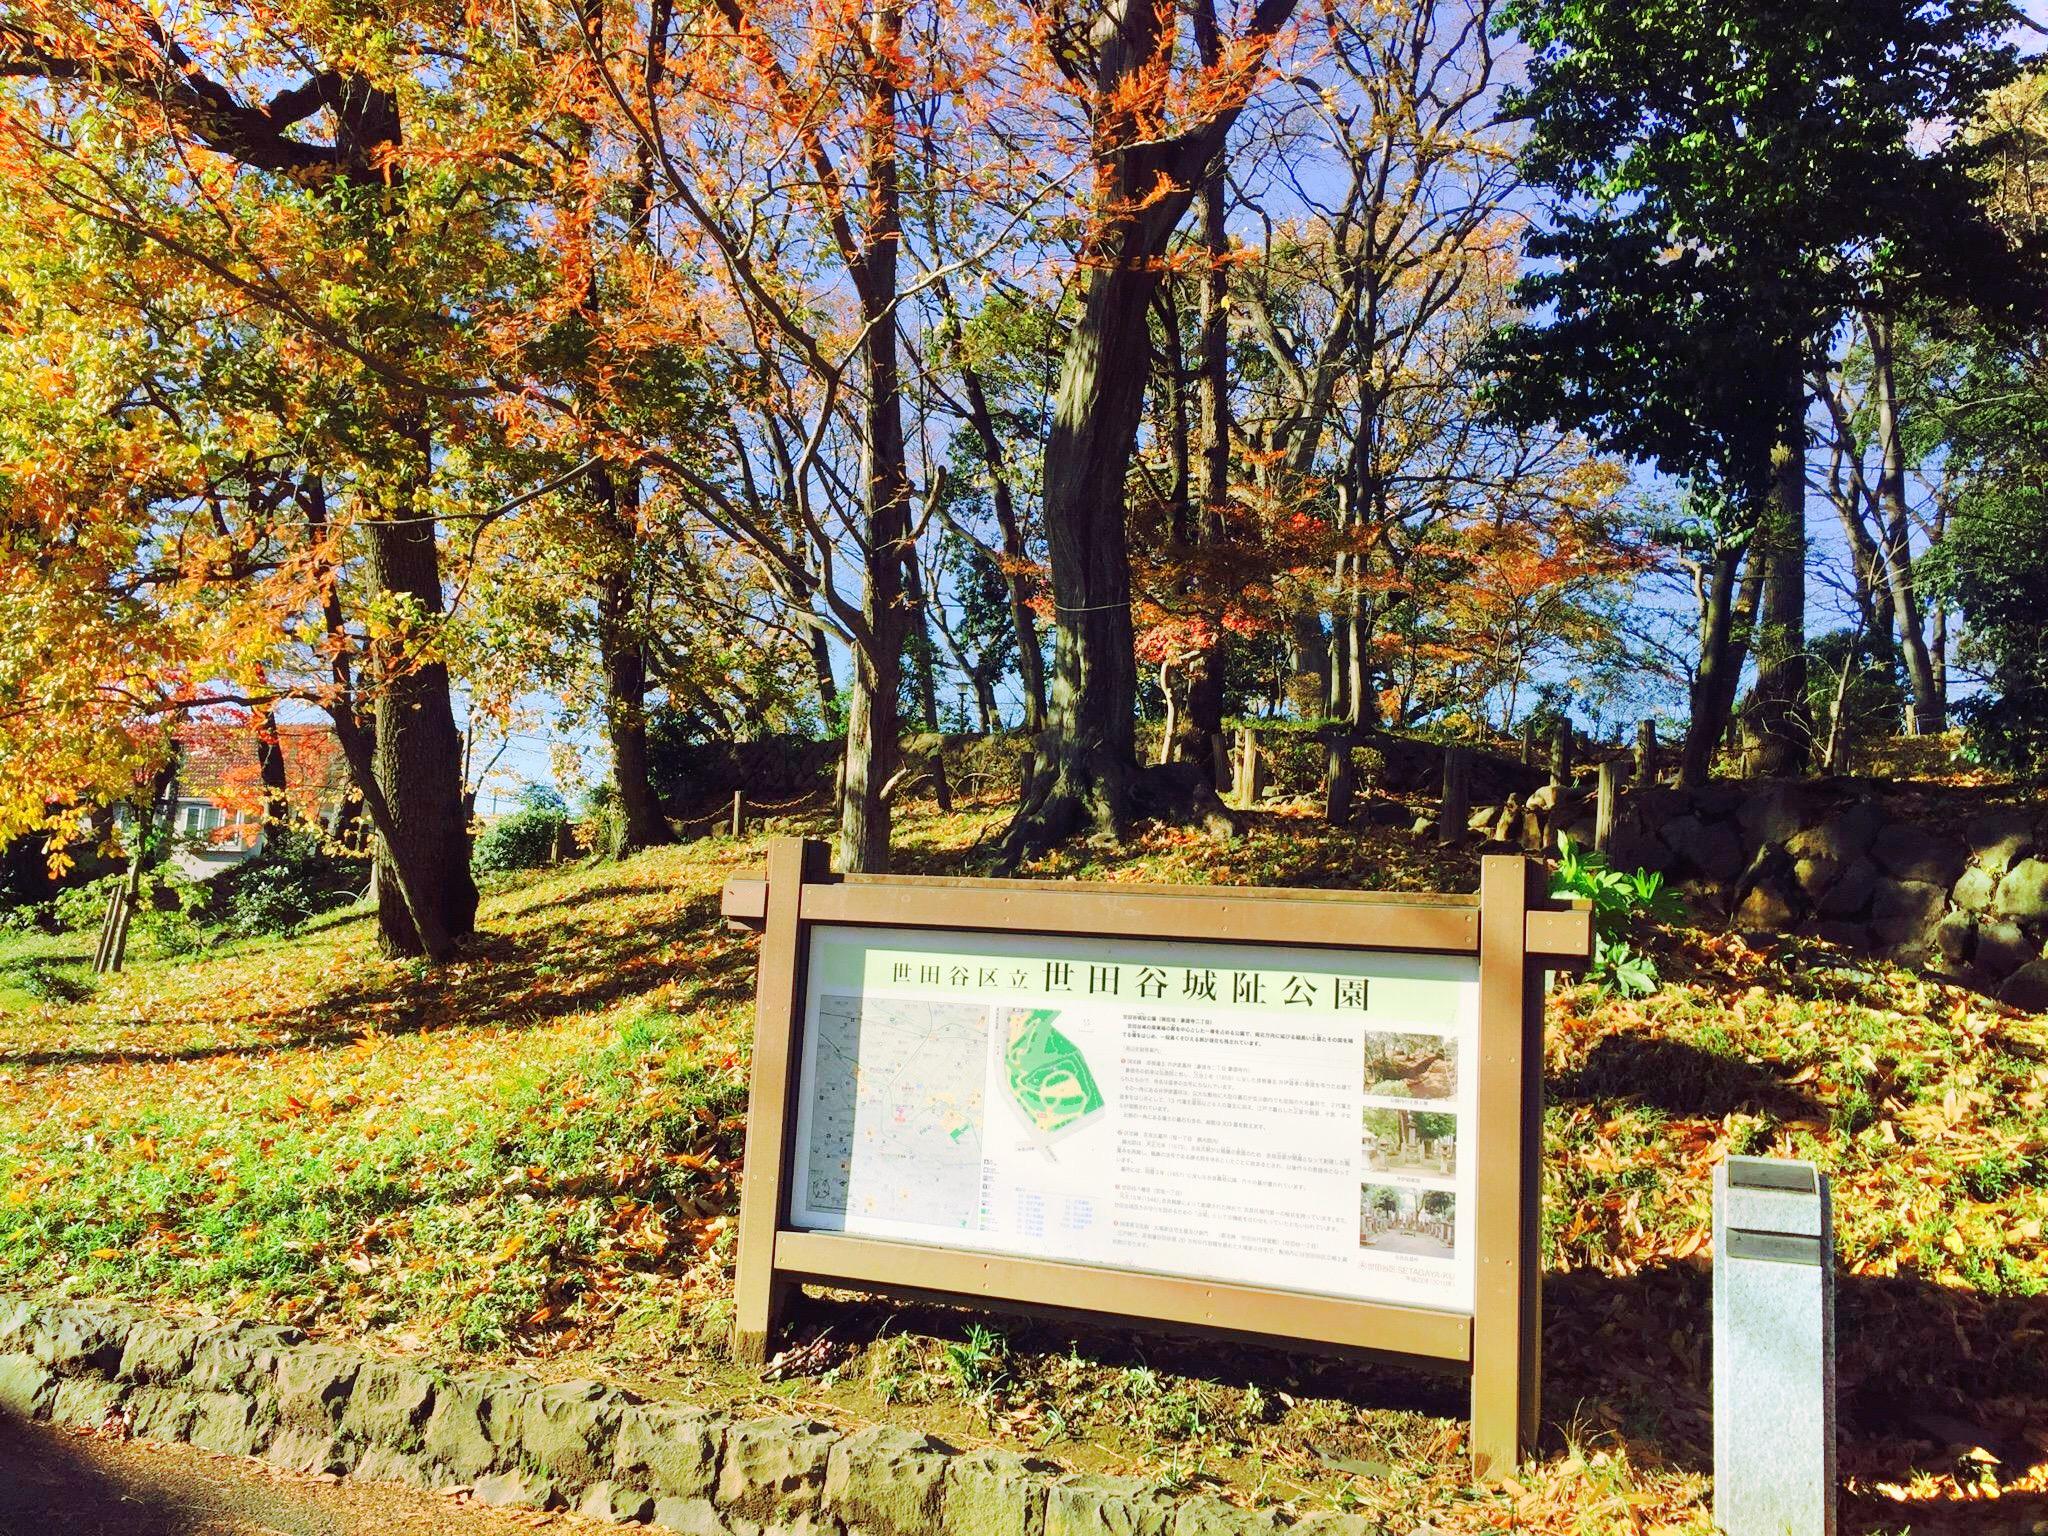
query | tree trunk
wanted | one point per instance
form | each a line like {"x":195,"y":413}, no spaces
{"x":1930,"y":708}
{"x":873,"y":728}
{"x":1783,"y":715}
{"x":1030,"y":660}
{"x":1725,"y":620}
{"x":417,"y":752}
{"x":1084,"y":766}
{"x":623,"y":656}
{"x":1349,"y":690}
{"x":821,"y":673}
{"x":924,"y":658}
{"x":270,"y":773}
{"x":1084,"y":761}
{"x":1212,"y":407}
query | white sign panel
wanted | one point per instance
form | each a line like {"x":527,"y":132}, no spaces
{"x":1293,"y":1118}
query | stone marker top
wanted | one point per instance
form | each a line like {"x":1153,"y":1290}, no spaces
{"x":1772,"y":1194}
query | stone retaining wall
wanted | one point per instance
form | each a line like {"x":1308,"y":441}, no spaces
{"x":256,"y":1390}
{"x":1955,"y":882}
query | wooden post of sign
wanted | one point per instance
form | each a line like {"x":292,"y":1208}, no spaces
{"x":1605,"y":803}
{"x":739,"y":813}
{"x":1507,"y":1300}
{"x":757,"y":1293}
{"x":1646,"y":752}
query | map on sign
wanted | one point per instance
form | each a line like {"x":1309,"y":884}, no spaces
{"x":1284,"y":1116}
{"x":896,"y":1118}
{"x":1047,"y":1074}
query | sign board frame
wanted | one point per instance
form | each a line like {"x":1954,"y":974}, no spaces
{"x":1510,"y":926}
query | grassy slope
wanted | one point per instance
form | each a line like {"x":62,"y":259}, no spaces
{"x":533,"y":1152}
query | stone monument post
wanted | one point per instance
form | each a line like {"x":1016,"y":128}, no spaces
{"x":1774,"y":1349}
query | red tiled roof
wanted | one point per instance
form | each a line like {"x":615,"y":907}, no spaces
{"x":217,"y":761}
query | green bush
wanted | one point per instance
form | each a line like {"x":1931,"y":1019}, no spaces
{"x":168,"y":910}
{"x":27,"y":918}
{"x":1620,"y":901}
{"x":82,"y":908}
{"x":294,"y":880}
{"x":523,"y":840}
{"x":49,"y":981}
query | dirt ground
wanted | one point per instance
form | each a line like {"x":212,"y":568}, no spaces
{"x":53,"y":1481}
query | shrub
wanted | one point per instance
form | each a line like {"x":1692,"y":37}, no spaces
{"x":1620,"y":901}
{"x":82,"y":908}
{"x":294,"y":880}
{"x":27,"y":918}
{"x":523,"y":840}
{"x":168,"y":910}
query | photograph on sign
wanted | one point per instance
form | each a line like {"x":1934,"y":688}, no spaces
{"x":1393,"y":1218}
{"x":1405,"y":1066}
{"x":1260,"y":1115}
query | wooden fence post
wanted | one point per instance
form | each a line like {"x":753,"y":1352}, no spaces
{"x":1605,"y":803}
{"x":1456,"y":810}
{"x":1561,"y":755}
{"x":1646,"y":752}
{"x":739,"y":813}
{"x":1249,"y":777}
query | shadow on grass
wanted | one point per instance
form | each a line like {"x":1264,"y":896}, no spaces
{"x":1679,"y":1078}
{"x":1926,"y":1374}
{"x":508,"y":980}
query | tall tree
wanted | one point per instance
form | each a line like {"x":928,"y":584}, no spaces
{"x":1729,"y":180}
{"x":272,"y":187}
{"x":1151,"y":137}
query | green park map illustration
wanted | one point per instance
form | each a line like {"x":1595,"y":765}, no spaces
{"x":1047,"y":1074}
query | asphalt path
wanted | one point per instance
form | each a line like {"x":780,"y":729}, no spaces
{"x":54,"y":1482}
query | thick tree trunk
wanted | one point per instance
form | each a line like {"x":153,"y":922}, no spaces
{"x":1930,"y":707}
{"x":1725,"y":621}
{"x":623,"y":656}
{"x":873,"y":756}
{"x":417,"y":754}
{"x":270,"y":773}
{"x":1085,"y":760}
{"x":873,"y":729}
{"x":1085,"y":764}
{"x":1783,"y":714}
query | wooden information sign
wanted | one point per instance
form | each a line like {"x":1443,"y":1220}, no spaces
{"x":1302,"y":1117}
